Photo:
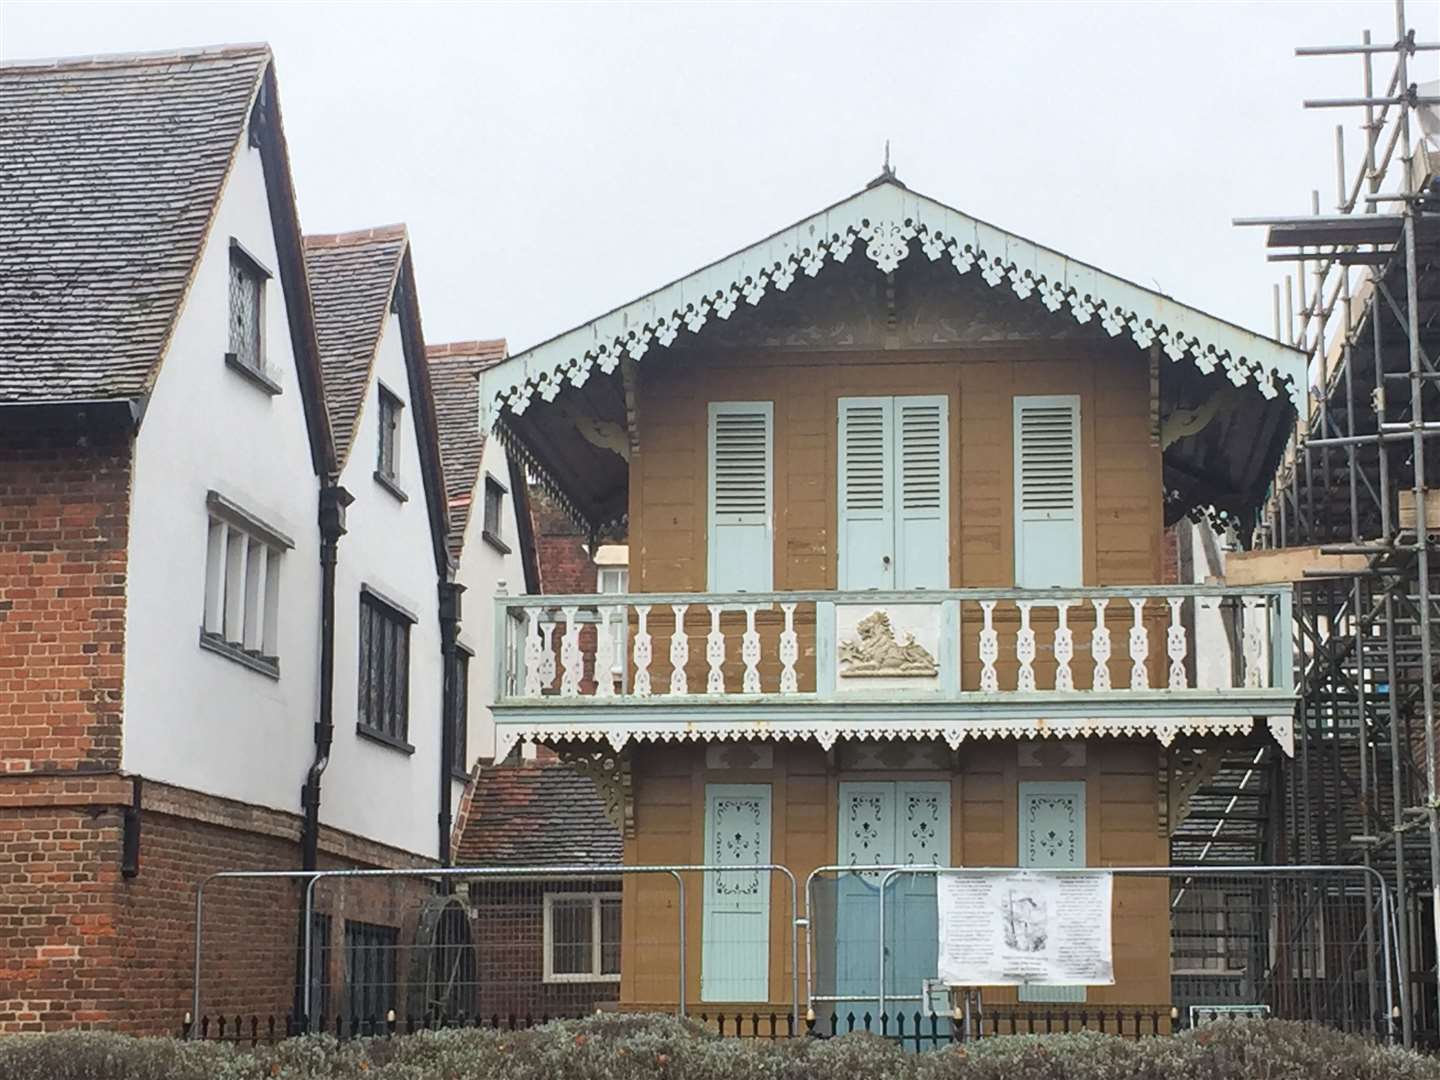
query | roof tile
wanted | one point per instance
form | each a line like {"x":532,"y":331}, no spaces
{"x":111,"y":168}
{"x":453,"y":371}
{"x":537,"y":815}
{"x":352,"y":277}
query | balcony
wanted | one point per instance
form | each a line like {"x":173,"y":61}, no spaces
{"x":948,"y":664}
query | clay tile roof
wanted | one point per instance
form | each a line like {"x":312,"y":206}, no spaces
{"x":111,"y":167}
{"x":453,"y":370}
{"x":352,"y":276}
{"x":535,"y":814}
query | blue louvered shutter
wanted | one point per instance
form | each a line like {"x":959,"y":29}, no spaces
{"x":735,"y":930}
{"x":922,"y":534}
{"x":1048,"y":541}
{"x":741,"y":502}
{"x":867,"y":493}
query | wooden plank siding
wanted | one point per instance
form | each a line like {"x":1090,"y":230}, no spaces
{"x":669,"y":790}
{"x":1122,"y":505}
{"x":1122,"y":517}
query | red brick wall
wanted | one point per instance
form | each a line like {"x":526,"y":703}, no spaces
{"x":81,"y":945}
{"x":64,"y":521}
{"x":565,"y":565}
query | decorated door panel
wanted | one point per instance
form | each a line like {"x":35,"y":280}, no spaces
{"x":1052,"y":835}
{"x":888,"y":823}
{"x":735,"y":953}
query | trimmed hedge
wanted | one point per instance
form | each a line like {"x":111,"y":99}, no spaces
{"x":611,"y":1047}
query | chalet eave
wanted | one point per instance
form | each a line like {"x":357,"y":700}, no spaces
{"x":883,"y":221}
{"x":1160,"y":714}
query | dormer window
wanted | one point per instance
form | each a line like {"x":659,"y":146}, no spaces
{"x":245,"y":351}
{"x":387,"y":464}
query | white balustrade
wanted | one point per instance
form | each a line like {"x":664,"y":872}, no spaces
{"x":1176,"y":646}
{"x":534,"y":654}
{"x":715,"y":653}
{"x":789,"y":652}
{"x":1064,"y":647}
{"x":1253,"y":613}
{"x":679,"y":651}
{"x":750,"y":652}
{"x":572,"y":663}
{"x":1100,"y":647}
{"x":558,"y":644}
{"x":641,"y":652}
{"x":1025,"y":649}
{"x":989,"y":650}
{"x":604,"y":654}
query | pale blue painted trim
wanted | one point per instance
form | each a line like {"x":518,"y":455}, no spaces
{"x":950,"y":657}
{"x":825,"y":648}
{"x":893,"y":596}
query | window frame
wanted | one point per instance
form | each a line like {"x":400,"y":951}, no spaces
{"x":389,"y":410}
{"x":253,"y":269}
{"x":460,"y":739}
{"x":594,"y":975}
{"x":375,"y":606}
{"x":494,"y":537}
{"x":365,"y":939}
{"x":257,"y":643}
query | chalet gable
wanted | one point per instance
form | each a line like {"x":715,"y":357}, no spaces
{"x":1202,"y":364}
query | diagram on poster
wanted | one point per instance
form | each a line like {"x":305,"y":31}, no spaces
{"x":1012,"y":928}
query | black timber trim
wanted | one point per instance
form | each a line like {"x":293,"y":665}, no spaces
{"x":100,"y":414}
{"x":524,"y":525}
{"x":422,"y":402}
{"x":268,"y":131}
{"x":398,"y":608}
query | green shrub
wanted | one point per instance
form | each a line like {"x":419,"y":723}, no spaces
{"x":629,"y":1047}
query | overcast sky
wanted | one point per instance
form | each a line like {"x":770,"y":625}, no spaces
{"x":553,"y":161}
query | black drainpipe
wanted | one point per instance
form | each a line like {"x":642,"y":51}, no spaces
{"x":333,"y":501}
{"x":449,"y":633}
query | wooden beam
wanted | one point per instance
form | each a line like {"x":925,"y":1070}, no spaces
{"x":1286,"y":564}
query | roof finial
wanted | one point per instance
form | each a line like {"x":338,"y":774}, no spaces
{"x":887,"y":172}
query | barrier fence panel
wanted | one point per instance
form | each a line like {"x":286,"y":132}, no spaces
{"x":1312,"y":943}
{"x":385,"y":951}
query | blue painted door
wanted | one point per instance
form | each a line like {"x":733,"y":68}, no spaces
{"x":1052,"y":834}
{"x":882,"y":823}
{"x":735,"y":933}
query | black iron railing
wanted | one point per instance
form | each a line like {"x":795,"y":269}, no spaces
{"x":913,"y":1030}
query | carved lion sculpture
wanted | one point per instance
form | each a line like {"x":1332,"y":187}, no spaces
{"x":875,"y":651}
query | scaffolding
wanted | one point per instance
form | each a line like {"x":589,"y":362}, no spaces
{"x":1362,"y":787}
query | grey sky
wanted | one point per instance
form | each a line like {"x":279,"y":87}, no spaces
{"x":553,"y":161}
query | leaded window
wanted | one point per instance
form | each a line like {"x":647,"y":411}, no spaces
{"x":247,"y":310}
{"x":384,"y":697}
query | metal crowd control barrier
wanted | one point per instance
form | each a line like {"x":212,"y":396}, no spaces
{"x":312,"y":878}
{"x":1389,"y":947}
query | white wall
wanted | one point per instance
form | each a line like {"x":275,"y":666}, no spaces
{"x":370,"y":788}
{"x":192,"y":717}
{"x":482,"y":567}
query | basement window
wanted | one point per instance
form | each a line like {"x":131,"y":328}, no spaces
{"x":243,"y":562}
{"x":582,"y":937}
{"x":370,"y":973}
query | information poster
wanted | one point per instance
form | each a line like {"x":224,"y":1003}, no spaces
{"x":1011,"y":928}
